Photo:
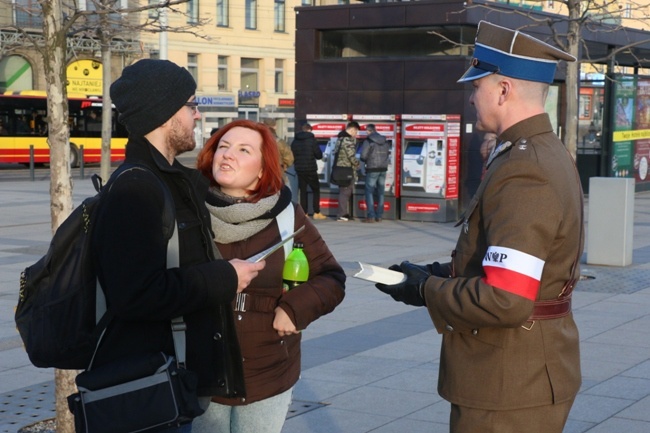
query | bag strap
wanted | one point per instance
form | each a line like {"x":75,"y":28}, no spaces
{"x":286,"y":222}
{"x":178,"y":325}
{"x":173,"y":261}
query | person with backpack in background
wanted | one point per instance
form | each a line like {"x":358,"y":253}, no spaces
{"x":156,"y":102}
{"x":375,"y":153}
{"x":344,"y":151}
{"x":306,"y":151}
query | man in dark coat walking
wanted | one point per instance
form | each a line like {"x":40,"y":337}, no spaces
{"x":306,"y":151}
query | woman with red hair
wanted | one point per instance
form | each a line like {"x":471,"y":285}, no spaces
{"x":247,"y":195}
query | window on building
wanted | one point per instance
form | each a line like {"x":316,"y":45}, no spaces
{"x":153,"y":13}
{"x":402,"y":42}
{"x":193,"y":11}
{"x":306,"y":3}
{"x":249,"y":74}
{"x":279,"y":76}
{"x":193,"y":66}
{"x":251,"y":14}
{"x":627,"y":12}
{"x":222,"y":77}
{"x":278,"y":9}
{"x":222,"y":13}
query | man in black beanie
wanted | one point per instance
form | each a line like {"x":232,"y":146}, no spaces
{"x":156,"y":102}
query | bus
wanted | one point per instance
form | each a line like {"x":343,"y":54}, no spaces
{"x":23,"y":123}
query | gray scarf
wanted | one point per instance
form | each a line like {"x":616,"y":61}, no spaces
{"x":238,"y":221}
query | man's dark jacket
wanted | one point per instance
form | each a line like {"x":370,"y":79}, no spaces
{"x":143,"y":295}
{"x":375,"y":152}
{"x":306,"y":151}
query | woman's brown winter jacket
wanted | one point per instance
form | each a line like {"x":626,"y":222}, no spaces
{"x":272,"y":363}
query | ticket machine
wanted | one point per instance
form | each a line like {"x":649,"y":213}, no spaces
{"x":385,"y":125}
{"x":326,"y":128}
{"x":430,"y":167}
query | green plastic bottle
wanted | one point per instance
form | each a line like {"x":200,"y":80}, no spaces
{"x":296,"y":268}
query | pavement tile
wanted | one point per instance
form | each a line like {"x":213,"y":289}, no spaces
{"x":332,"y":420}
{"x":619,"y":425}
{"x":639,"y":411}
{"x":384,"y":401}
{"x":596,"y":409}
{"x":412,"y":426}
{"x":642,"y":370}
{"x":622,"y":387}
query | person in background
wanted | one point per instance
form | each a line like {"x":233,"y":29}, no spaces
{"x":510,"y":356}
{"x":375,"y":153}
{"x":155,"y":101}
{"x":346,"y":147}
{"x":487,"y":146}
{"x":306,"y":151}
{"x":246,"y":200}
{"x":286,"y":156}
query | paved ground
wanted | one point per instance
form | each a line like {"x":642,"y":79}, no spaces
{"x":371,"y":366}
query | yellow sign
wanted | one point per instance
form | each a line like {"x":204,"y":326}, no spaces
{"x":85,"y":76}
{"x":639,"y":134}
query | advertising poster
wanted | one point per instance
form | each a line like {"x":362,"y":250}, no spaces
{"x":453,"y":156}
{"x":642,"y":131}
{"x":623,"y":134}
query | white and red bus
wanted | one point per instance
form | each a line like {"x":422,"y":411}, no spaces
{"x":23,"y":123}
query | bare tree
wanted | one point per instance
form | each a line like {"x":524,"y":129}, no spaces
{"x":62,"y":21}
{"x":567,"y":26}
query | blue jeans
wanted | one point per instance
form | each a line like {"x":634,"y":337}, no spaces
{"x":264,"y":416}
{"x":375,"y":180}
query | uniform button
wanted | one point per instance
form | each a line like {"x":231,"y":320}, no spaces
{"x":474,"y":331}
{"x":281,"y":341}
{"x":239,"y":317}
{"x":217,"y":336}
{"x":243,"y":400}
{"x":243,"y":359}
{"x":449,"y":328}
{"x":222,"y":383}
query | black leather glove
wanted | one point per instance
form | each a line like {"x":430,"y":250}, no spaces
{"x":410,"y":291}
{"x":435,"y":268}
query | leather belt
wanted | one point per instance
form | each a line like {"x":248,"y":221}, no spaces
{"x":552,"y":309}
{"x":261,"y":304}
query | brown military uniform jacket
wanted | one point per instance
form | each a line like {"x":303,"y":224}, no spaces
{"x":519,"y":240}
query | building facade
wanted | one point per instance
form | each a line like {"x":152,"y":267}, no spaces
{"x":241,"y":53}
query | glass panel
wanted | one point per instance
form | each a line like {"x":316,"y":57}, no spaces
{"x":279,"y":15}
{"x":404,"y":42}
{"x":222,"y":13}
{"x":251,"y":14}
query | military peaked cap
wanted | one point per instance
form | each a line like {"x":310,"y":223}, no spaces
{"x":499,"y":50}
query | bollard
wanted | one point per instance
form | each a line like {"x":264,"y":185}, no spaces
{"x":611,"y":221}
{"x":32,"y":175}
{"x":81,"y":161}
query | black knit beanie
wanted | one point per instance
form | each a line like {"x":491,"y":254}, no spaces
{"x":149,"y":93}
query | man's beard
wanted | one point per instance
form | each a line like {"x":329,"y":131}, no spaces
{"x":180,"y":139}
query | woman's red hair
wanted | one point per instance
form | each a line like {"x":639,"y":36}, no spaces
{"x":271,"y":181}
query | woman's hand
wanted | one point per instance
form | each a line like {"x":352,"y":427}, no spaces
{"x":283,"y":324}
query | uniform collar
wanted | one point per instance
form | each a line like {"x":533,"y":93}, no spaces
{"x":535,"y":125}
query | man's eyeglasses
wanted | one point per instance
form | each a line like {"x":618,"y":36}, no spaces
{"x":194,"y":106}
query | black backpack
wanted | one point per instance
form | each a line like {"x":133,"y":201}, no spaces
{"x":61,"y":310}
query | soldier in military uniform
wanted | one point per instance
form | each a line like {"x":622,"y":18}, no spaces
{"x":510,"y":359}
